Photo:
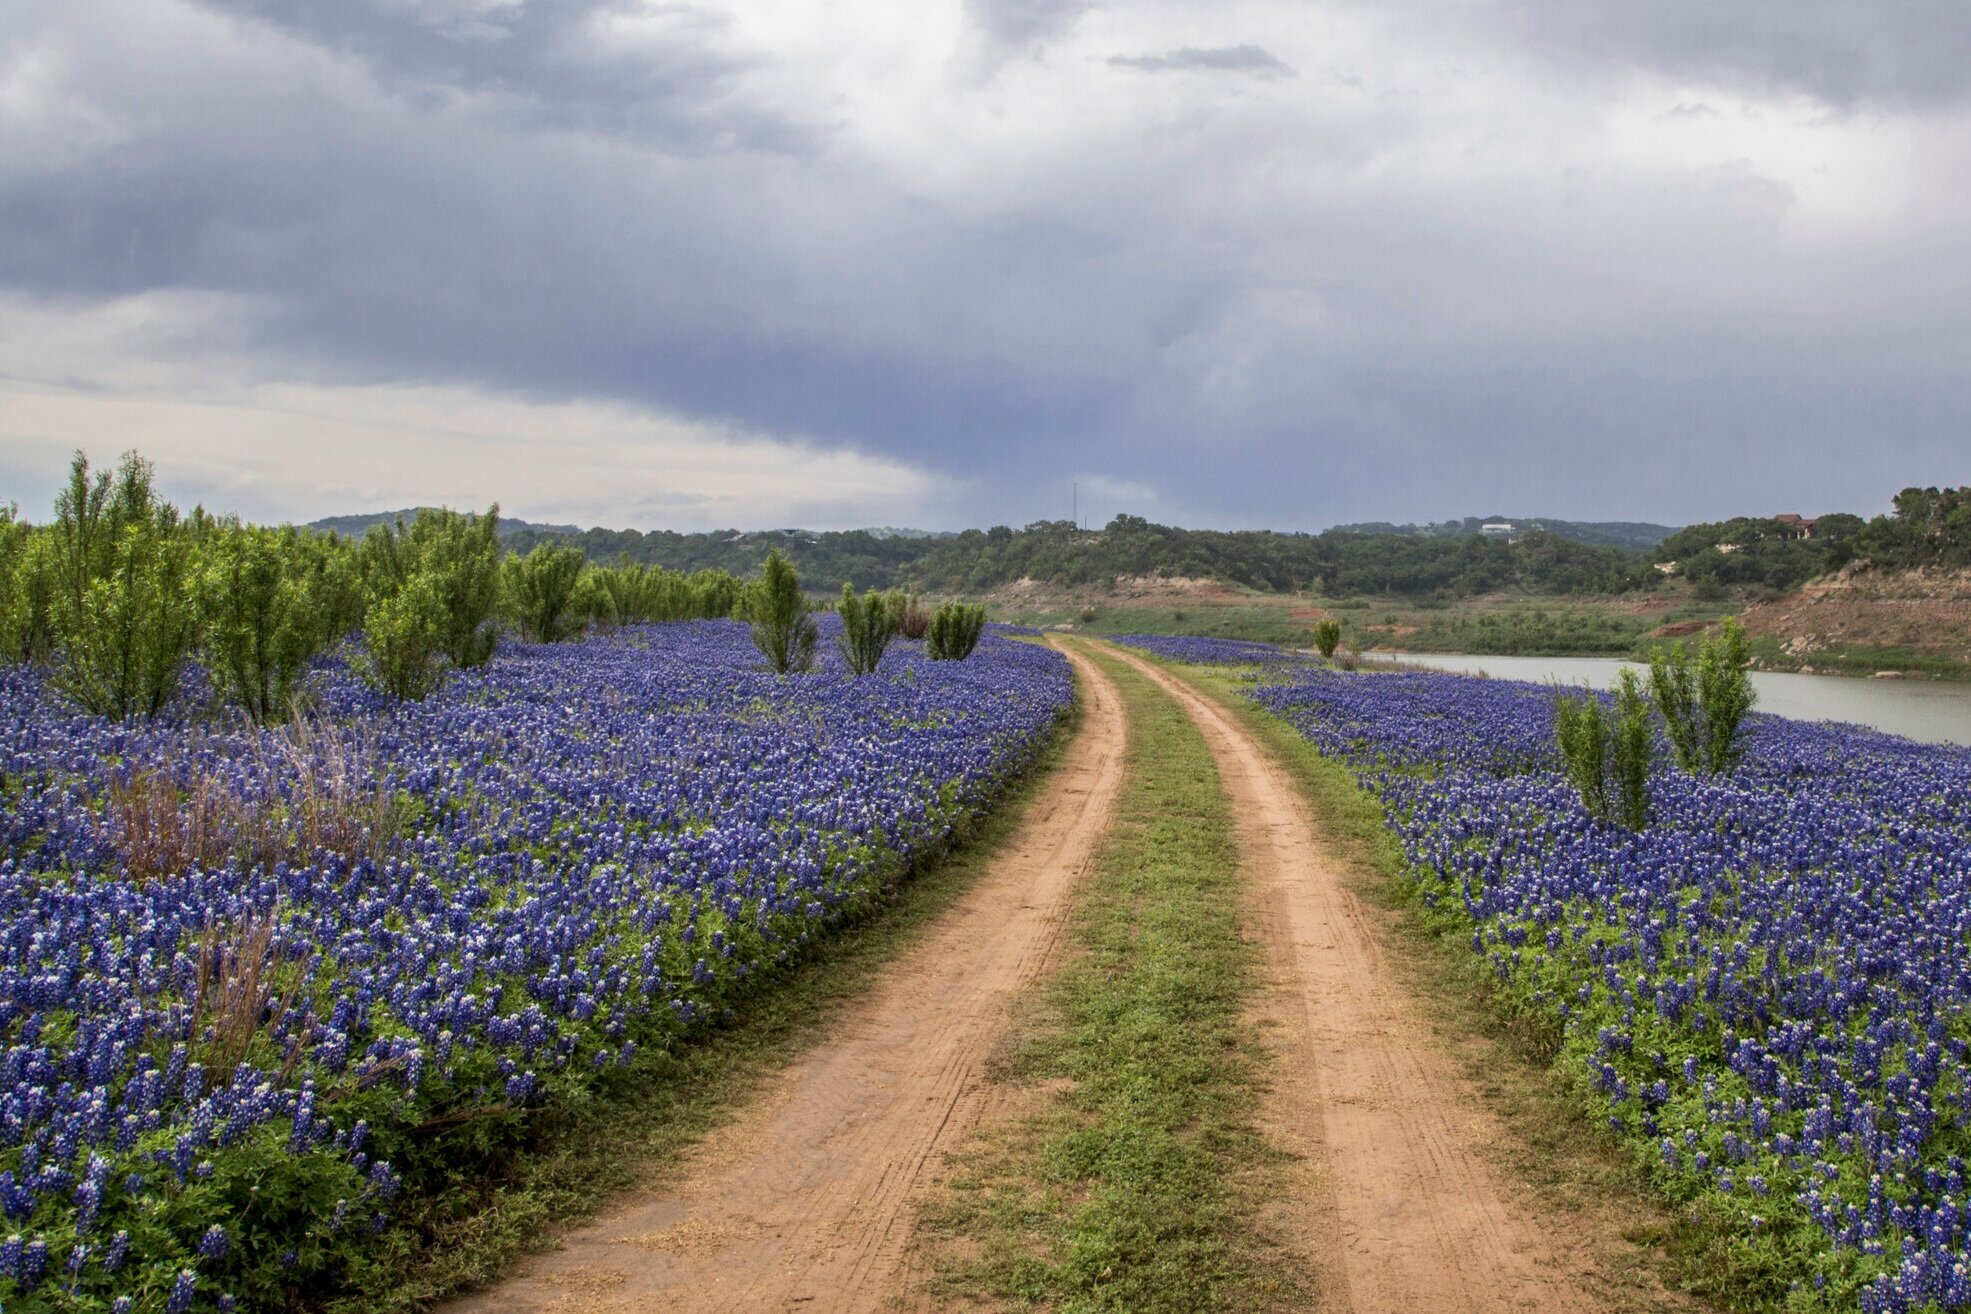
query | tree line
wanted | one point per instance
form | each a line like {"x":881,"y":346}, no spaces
{"x":118,"y":591}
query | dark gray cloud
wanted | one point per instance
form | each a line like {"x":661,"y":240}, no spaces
{"x":1913,"y":51}
{"x":606,"y":66}
{"x":1024,"y":23}
{"x":1438,"y":286}
{"x":1217,"y":59}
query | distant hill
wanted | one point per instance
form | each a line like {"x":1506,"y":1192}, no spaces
{"x":1396,"y":562}
{"x":358,"y":525}
{"x":1635,"y":535}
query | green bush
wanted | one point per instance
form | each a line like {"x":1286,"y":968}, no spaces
{"x":954,"y":632}
{"x":1704,"y":709}
{"x":26,"y":591}
{"x":459,"y":556}
{"x":543,"y":592}
{"x":119,"y":601}
{"x":783,"y":629}
{"x":405,"y":651}
{"x":1327,"y":637}
{"x":1606,"y":751}
{"x":259,"y":616}
{"x":907,"y":615}
{"x":868,"y":625}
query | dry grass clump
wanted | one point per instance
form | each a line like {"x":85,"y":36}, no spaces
{"x":241,"y":991}
{"x":309,"y":792}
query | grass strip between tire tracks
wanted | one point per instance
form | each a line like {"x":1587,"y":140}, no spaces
{"x":1650,"y":1257}
{"x":582,"y":1155}
{"x":1130,"y":1174}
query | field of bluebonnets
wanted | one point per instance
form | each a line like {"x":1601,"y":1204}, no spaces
{"x":319,"y":882}
{"x":1764,"y":990}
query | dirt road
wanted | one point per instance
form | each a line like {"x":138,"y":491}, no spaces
{"x":801,"y":1203}
{"x":1404,"y":1212}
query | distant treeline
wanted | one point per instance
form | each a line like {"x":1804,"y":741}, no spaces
{"x":1636,"y":535}
{"x":1929,"y":527}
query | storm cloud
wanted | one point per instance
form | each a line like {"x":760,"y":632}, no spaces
{"x":1584,"y":259}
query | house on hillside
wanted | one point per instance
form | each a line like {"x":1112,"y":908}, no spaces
{"x":1497,"y":529}
{"x":1793,"y":527}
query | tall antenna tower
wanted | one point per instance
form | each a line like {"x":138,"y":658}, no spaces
{"x":1076,"y":503}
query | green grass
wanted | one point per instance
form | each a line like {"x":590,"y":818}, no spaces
{"x":1652,"y":1256}
{"x":1262,"y":619}
{"x":578,"y":1157}
{"x":1132,"y":1179}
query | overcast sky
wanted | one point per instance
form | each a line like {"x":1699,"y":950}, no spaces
{"x":1249,"y":263}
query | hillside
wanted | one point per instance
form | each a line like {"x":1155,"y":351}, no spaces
{"x":1860,"y":620}
{"x":1638,"y":536}
{"x":355,"y":526}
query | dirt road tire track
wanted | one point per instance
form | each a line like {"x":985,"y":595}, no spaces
{"x":803,"y":1201}
{"x":1406,"y":1212}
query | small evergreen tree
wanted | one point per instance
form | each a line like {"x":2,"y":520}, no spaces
{"x":543,"y":592}
{"x":783,"y":629}
{"x":954,"y":632}
{"x":1327,"y":637}
{"x":868,"y":625}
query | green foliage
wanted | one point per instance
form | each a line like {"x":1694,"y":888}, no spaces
{"x":542,"y":592}
{"x":1631,"y":751}
{"x":1674,"y":686}
{"x":1581,"y":732}
{"x":1724,"y":690}
{"x":783,"y":629}
{"x":1606,"y":751}
{"x":121,"y":587}
{"x":458,"y":555}
{"x":632,"y":594}
{"x":27,"y":590}
{"x":954,"y":632}
{"x":1704,"y":709}
{"x":907,"y":615}
{"x":868,"y":625}
{"x":259,"y":616}
{"x":405,"y":651}
{"x":1327,"y":636}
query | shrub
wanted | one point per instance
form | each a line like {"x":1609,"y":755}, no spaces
{"x":543,"y":592}
{"x":868,"y":625}
{"x":404,"y":655}
{"x":1606,"y":751}
{"x":260,"y":617}
{"x":908,"y":616}
{"x":26,"y":590}
{"x":124,"y":642}
{"x":783,"y":629}
{"x":1704,"y":710}
{"x":1724,"y":690}
{"x":459,"y":556}
{"x":1327,"y":637}
{"x":954,"y":632}
{"x":118,"y":591}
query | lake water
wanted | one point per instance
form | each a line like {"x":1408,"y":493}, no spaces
{"x":1933,"y":711}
